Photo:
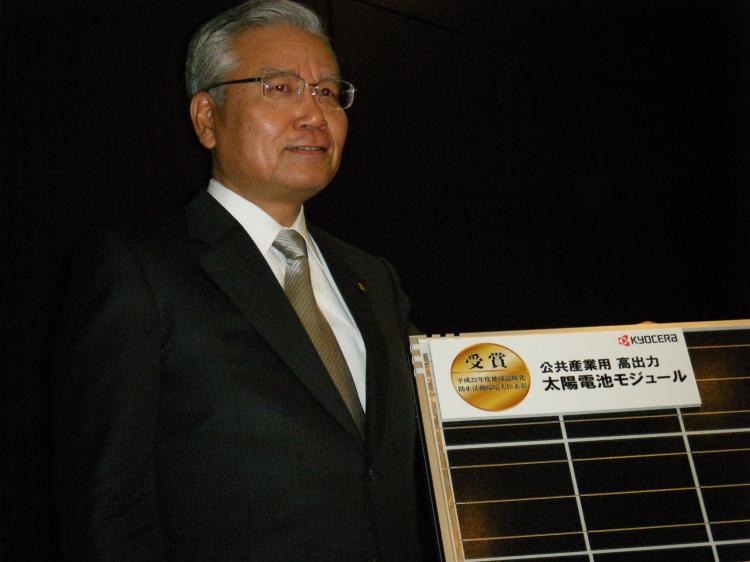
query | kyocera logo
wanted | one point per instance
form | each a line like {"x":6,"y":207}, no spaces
{"x":627,"y":340}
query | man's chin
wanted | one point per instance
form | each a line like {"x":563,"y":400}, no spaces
{"x":308,"y":185}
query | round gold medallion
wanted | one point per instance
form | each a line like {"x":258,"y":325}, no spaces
{"x":490,"y":377}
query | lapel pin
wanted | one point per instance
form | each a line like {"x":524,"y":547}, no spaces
{"x":361,"y":287}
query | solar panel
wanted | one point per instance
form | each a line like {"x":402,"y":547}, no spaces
{"x":654,"y":485}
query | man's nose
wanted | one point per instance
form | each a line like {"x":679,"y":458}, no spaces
{"x":311,"y":114}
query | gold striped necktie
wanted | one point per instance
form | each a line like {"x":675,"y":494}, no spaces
{"x":299,"y":291}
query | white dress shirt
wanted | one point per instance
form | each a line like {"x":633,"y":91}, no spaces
{"x":263,"y":229}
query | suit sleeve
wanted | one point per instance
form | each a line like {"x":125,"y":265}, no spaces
{"x":426,"y":515}
{"x":105,"y":386}
{"x":401,"y":302}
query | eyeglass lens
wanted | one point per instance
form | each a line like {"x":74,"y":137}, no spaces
{"x":328,"y":93}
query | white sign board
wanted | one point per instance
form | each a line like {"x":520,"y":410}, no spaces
{"x":543,"y":374}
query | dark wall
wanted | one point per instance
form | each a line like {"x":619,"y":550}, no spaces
{"x":538,"y":164}
{"x":523,"y":163}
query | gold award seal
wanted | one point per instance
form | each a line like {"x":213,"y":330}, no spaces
{"x":490,"y":377}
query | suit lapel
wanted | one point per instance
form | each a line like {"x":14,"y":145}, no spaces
{"x":354,"y":290}
{"x":242,"y":273}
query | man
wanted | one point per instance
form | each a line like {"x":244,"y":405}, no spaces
{"x":206,"y":406}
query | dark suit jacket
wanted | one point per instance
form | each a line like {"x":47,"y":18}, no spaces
{"x":194,"y":421}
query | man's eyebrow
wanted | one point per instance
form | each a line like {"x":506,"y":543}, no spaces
{"x":270,"y":69}
{"x":267,"y":69}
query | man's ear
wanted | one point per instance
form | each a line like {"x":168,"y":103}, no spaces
{"x":202,"y":114}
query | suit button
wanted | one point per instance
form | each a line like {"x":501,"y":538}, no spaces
{"x":371,"y":476}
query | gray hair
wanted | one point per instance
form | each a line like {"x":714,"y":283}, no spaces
{"x":209,"y":56}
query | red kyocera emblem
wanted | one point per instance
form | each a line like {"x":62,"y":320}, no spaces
{"x":624,"y":340}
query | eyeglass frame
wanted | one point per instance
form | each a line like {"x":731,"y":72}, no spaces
{"x":262,"y":80}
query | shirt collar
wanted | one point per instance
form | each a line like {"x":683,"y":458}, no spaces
{"x":261,"y":226}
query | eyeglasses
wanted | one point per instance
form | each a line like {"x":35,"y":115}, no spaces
{"x":285,"y":87}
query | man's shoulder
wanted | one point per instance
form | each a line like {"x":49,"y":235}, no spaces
{"x":141,"y":235}
{"x":160,"y":242}
{"x":364,"y":264}
{"x":333,"y":247}
{"x":154,"y":232}
{"x":152,"y":229}
{"x":330,"y":242}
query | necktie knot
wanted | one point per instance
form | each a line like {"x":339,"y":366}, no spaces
{"x":291,"y":244}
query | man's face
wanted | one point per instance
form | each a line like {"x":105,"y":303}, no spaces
{"x":274,"y":153}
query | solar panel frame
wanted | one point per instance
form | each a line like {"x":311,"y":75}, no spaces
{"x":670,"y":484}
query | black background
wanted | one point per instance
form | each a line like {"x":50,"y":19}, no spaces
{"x":522,"y":163}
